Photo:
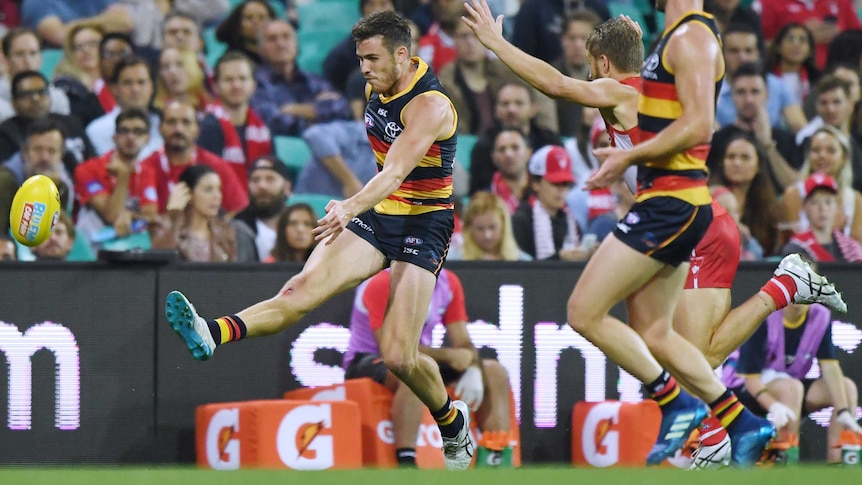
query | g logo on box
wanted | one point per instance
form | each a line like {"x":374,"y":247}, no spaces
{"x":600,"y":441}
{"x":300,"y":442}
{"x":222,"y":446}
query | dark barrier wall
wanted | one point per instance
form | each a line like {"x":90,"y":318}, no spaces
{"x":139,"y":387}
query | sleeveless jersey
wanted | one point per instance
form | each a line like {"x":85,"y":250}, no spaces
{"x":625,"y":139}
{"x":817,"y":323}
{"x":362,"y":334}
{"x":428,"y":187}
{"x":682,"y":175}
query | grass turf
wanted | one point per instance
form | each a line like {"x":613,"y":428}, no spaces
{"x":806,"y":475}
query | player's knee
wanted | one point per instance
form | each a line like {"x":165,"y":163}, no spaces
{"x":581,"y":317}
{"x":796,"y":390}
{"x":398,"y":361}
{"x":852,"y":392}
{"x":294,"y":295}
{"x":496,"y":374}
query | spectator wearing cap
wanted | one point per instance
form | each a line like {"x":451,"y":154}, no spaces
{"x":822,"y":242}
{"x":269,"y":187}
{"x":543,"y":227}
{"x":828,"y":152}
{"x":342,"y":160}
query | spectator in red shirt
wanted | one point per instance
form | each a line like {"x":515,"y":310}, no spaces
{"x":111,"y":189}
{"x":179,"y":128}
{"x":437,"y":46}
{"x":824,"y":18}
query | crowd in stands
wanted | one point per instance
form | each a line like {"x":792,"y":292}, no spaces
{"x":220,"y":129}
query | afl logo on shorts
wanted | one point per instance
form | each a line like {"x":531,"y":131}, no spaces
{"x":632,"y":218}
{"x":413,"y":241}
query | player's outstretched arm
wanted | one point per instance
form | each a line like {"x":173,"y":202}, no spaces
{"x":601,"y":93}
{"x":427,"y":118}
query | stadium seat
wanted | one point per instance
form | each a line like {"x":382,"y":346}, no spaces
{"x":464,"y":149}
{"x":50,"y":59}
{"x":278,"y":434}
{"x":215,"y":49}
{"x":327,"y":15}
{"x":140,"y":240}
{"x":293,"y":151}
{"x":618,"y":8}
{"x":81,"y":251}
{"x":315,"y":45}
{"x":316,"y":201}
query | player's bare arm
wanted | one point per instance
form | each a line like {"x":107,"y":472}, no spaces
{"x":427,"y":118}
{"x":600,"y":93}
{"x":695,"y":58}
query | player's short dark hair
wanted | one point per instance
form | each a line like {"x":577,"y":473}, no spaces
{"x":42,"y":126}
{"x":831,"y":82}
{"x":619,"y":42}
{"x":17,"y":79}
{"x":394,"y":29}
{"x":132,"y":114}
{"x":13,"y":34}
{"x":231,"y":56}
{"x":129,"y":61}
{"x":748,"y":69}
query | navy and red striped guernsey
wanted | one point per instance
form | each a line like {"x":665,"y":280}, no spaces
{"x":683,"y":175}
{"x":428,"y":187}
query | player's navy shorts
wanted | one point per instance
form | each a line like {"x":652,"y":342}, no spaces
{"x":664,"y":228}
{"x":371,"y":365}
{"x":422,"y":239}
{"x":715,"y":259}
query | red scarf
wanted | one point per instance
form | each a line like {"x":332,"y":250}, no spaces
{"x":499,"y":187}
{"x":804,"y":83}
{"x":258,"y":141}
{"x":106,"y":99}
{"x":814,"y":249}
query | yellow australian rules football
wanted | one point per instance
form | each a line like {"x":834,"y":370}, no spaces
{"x":35,"y":210}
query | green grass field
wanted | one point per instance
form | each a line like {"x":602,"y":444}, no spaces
{"x":807,"y":475}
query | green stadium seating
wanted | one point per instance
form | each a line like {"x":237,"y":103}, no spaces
{"x":140,"y":240}
{"x":215,"y":49}
{"x":50,"y":59}
{"x":316,"y":201}
{"x":293,"y":151}
{"x":327,"y":15}
{"x":81,"y":251}
{"x":315,"y":45}
{"x":463,"y":150}
{"x":633,"y":11}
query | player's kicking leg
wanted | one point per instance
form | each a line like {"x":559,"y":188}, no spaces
{"x":329,"y":270}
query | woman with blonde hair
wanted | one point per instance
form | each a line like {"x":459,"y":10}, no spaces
{"x":487,"y":232}
{"x":79,"y":74}
{"x":829,"y":152}
{"x":181,"y":78}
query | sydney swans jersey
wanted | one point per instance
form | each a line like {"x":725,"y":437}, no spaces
{"x":625,"y":139}
{"x":428,"y":187}
{"x":682,"y":175}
